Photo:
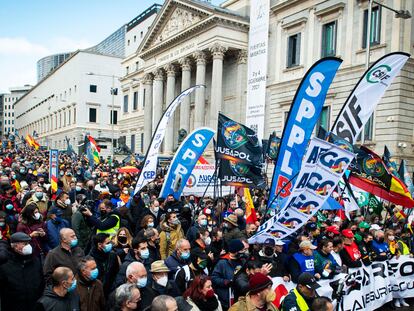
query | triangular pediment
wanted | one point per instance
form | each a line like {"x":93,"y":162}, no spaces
{"x":175,"y":17}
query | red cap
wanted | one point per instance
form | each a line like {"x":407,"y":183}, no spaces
{"x":332,"y":229}
{"x":348,"y":233}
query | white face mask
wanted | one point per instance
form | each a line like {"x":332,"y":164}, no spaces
{"x":207,"y":241}
{"x":67,"y":201}
{"x":36,"y":216}
{"x":163,"y":281}
{"x":155,"y":209}
{"x":27,"y":250}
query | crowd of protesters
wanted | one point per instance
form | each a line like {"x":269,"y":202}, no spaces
{"x":95,"y":245}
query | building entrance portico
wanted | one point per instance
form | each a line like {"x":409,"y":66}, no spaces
{"x":191,"y":43}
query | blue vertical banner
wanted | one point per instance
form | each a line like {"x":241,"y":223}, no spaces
{"x":303,"y":116}
{"x":53,"y":169}
{"x":184,"y":161}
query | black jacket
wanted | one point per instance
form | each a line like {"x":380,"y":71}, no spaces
{"x":240,"y":285}
{"x":50,"y":301}
{"x":21,"y":282}
{"x":108,"y":267}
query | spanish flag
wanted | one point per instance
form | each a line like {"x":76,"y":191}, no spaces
{"x":32,"y":142}
{"x":250,"y":211}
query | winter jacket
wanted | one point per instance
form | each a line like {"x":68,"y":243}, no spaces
{"x":174,"y":262}
{"x":50,"y":301}
{"x":53,"y":229}
{"x":244,"y":304}
{"x":168,"y":239}
{"x":108,"y":266}
{"x":38,"y":243}
{"x":222,"y":277}
{"x":240,"y":285}
{"x":60,"y":257}
{"x":130,"y":258}
{"x":91,"y":294}
{"x":21,"y":282}
{"x":81,"y":228}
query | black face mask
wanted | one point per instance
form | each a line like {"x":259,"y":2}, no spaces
{"x":380,"y":240}
{"x":90,"y":188}
{"x":122,"y":239}
{"x":268,"y":251}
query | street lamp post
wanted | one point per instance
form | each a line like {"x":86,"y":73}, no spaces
{"x":404,"y":14}
{"x":113,"y":92}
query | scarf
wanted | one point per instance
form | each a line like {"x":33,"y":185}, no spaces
{"x":210,"y":304}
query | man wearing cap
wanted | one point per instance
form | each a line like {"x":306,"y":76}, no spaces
{"x":21,"y":277}
{"x":272,"y":253}
{"x":331,"y":232}
{"x":259,"y":297}
{"x":302,"y":296}
{"x":225,"y":269}
{"x":303,"y":261}
{"x":54,"y":225}
{"x":314,"y":232}
{"x":231,"y":230}
{"x":350,"y":254}
{"x":160,"y":283}
{"x":362,"y":227}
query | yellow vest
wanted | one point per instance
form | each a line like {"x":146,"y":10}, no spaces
{"x":111,"y":231}
{"x":303,"y":306}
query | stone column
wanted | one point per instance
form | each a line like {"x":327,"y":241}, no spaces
{"x":200,"y":94}
{"x":185,"y":84}
{"x":147,"y":110}
{"x":158,"y":97}
{"x":217,"y":51}
{"x":169,"y":134}
{"x":241,"y":84}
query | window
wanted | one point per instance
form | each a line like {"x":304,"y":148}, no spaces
{"x":328,"y":39}
{"x":142,"y":142}
{"x":133,"y":143}
{"x":375,"y":27}
{"x":142,"y":34}
{"x":324,"y":118}
{"x":135,"y":38}
{"x":127,"y":69}
{"x":136,"y":66}
{"x":135,"y":100}
{"x":125,"y":103}
{"x":293,"y":58}
{"x":368,"y":130}
{"x":114,"y":113}
{"x":92,"y":88}
{"x":92,"y":115}
{"x":129,"y":41}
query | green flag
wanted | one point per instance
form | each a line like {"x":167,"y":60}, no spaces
{"x":375,"y":205}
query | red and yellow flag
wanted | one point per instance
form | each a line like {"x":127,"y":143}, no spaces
{"x":32,"y":142}
{"x":250,"y":211}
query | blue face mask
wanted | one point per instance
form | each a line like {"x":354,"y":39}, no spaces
{"x":142,"y":282}
{"x":107,"y":248}
{"x":73,"y":243}
{"x":185,"y":255}
{"x":72,"y":287}
{"x":39,"y":195}
{"x":94,"y":274}
{"x":144,"y":254}
{"x":9,"y":206}
{"x":203,"y":222}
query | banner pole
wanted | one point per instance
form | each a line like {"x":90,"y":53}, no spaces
{"x":276,"y":196}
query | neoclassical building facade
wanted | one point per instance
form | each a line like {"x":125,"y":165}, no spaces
{"x":193,"y":42}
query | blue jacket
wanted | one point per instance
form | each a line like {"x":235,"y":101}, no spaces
{"x":53,"y":229}
{"x":223,"y":273}
{"x":173,"y":262}
{"x":380,"y":247}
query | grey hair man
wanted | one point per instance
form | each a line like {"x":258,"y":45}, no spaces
{"x":127,"y":297}
{"x":164,"y":303}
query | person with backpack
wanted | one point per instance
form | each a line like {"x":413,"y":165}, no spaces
{"x":186,"y":274}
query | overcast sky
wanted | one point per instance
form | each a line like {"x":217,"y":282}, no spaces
{"x":32,"y":29}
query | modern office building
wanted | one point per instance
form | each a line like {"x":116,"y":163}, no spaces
{"x":194,"y":42}
{"x":48,"y":63}
{"x":82,"y":94}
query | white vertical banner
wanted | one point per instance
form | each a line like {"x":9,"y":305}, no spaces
{"x":257,"y":66}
